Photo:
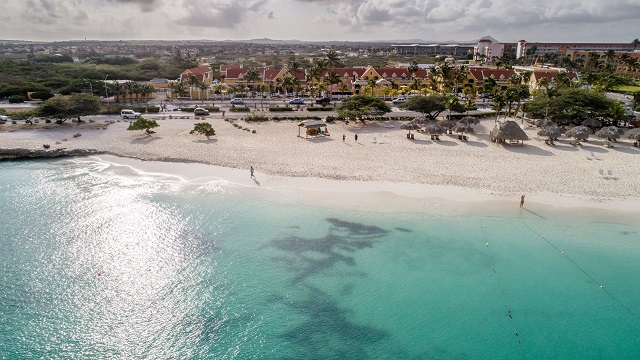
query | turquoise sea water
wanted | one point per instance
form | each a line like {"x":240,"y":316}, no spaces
{"x":98,"y":261}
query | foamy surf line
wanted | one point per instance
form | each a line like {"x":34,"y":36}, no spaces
{"x":380,"y":196}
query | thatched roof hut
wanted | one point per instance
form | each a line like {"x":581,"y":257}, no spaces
{"x":447,"y":123}
{"x":410,"y":126}
{"x":469,"y":120}
{"x":463,"y":128}
{"x":508,"y":131}
{"x":634,"y":134}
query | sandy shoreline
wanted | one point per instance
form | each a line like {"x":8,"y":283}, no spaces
{"x":382,"y":160}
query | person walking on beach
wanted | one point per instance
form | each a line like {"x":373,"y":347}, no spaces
{"x":521,"y":200}
{"x":251,"y":171}
{"x":344,"y":137}
{"x":223,"y":114}
{"x":356,"y":137}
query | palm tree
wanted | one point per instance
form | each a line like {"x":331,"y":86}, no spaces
{"x":372,"y":84}
{"x":344,"y":88}
{"x":609,"y":55}
{"x":635,"y":43}
{"x":193,"y":82}
{"x":146,"y":90}
{"x":203,"y":88}
{"x":130,"y":89}
{"x":333,"y":59}
{"x":333,"y":79}
{"x":221,"y":89}
{"x":251,"y":76}
{"x":287,"y":83}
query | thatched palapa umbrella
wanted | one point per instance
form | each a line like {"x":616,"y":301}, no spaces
{"x":579,"y":133}
{"x":592,"y":123}
{"x":463,"y":128}
{"x":610,"y":133}
{"x":552,"y":132}
{"x":544,"y":122}
{"x":508,"y":130}
{"x":410,"y":126}
{"x":634,"y":134}
{"x":469,"y":120}
{"x":447,"y":124}
{"x":435,"y":129}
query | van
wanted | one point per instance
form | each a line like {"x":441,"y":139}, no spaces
{"x":129,"y":114}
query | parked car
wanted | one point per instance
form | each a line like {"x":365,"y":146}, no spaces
{"x":200,"y":111}
{"x":129,"y":114}
{"x":399,"y":100}
{"x":324,"y":100}
{"x":297,"y":101}
{"x":237,"y":101}
{"x":4,"y":118}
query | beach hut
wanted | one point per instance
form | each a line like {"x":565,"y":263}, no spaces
{"x":313,"y":128}
{"x":508,"y":131}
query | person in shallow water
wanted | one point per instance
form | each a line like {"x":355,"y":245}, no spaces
{"x":521,"y":200}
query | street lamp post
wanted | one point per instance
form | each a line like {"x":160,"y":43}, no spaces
{"x":106,"y":93}
{"x":90,"y":86}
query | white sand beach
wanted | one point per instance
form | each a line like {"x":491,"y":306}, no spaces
{"x":382,"y":160}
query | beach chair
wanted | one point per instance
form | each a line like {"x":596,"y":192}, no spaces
{"x":464,"y":138}
{"x":610,"y":174}
{"x":601,"y":172}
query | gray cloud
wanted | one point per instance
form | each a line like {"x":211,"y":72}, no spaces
{"x":145,"y":5}
{"x":222,"y":14}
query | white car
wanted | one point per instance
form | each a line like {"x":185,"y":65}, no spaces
{"x":399,"y":100}
{"x":237,"y":101}
{"x":4,"y":118}
{"x":129,"y":114}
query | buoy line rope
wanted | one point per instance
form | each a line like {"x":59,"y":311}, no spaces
{"x":504,"y":296}
{"x":583,"y":271}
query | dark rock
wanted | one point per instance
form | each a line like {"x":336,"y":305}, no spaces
{"x":30,"y":154}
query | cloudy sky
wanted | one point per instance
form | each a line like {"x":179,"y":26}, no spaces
{"x":505,"y":20}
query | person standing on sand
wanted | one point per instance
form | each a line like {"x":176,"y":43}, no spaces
{"x":251,"y":171}
{"x":344,"y":137}
{"x":521,"y":200}
{"x":356,"y":137}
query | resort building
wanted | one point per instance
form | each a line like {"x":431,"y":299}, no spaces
{"x":433,"y":49}
{"x":541,"y":48}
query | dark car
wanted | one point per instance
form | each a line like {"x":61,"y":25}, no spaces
{"x":324,"y":100}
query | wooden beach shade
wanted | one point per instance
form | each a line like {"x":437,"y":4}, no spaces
{"x":463,"y":128}
{"x":447,"y":123}
{"x":508,"y":131}
{"x":579,"y":132}
{"x":313,"y":128}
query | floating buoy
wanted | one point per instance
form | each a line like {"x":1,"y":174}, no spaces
{"x":562,"y":252}
{"x":99,"y":274}
{"x":601,"y":287}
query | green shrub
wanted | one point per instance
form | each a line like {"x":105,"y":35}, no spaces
{"x":256,"y":117}
{"x":13,"y":99}
{"x":280,"y":108}
{"x":41,"y":95}
{"x":321,"y":108}
{"x":239,"y":109}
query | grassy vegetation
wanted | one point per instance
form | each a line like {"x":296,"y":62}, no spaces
{"x":627,"y":89}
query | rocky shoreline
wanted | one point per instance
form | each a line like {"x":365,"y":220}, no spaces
{"x":14,"y":154}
